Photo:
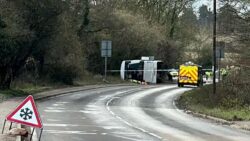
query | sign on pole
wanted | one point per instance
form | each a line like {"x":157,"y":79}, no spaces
{"x":106,"y":51}
{"x":26,"y":113}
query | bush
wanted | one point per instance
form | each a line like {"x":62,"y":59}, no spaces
{"x":63,"y":74}
{"x":234,"y":90}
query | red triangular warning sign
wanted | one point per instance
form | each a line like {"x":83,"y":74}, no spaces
{"x":26,"y":113}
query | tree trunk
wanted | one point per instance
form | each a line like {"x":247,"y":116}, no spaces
{"x":173,"y":21}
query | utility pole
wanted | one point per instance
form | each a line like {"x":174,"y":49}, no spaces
{"x":214,"y":49}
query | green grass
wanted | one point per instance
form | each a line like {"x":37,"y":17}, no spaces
{"x":199,"y":100}
{"x":227,"y":114}
{"x":20,"y":88}
{"x":97,"y":79}
{"x":5,"y":94}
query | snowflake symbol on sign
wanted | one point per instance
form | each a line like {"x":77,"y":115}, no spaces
{"x":26,"y":114}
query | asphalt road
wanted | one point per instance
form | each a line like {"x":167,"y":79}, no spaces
{"x":128,"y":113}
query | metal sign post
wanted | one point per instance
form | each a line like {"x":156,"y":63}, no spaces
{"x":10,"y":126}
{"x":33,"y":130}
{"x":40,"y":136}
{"x":106,"y":51}
{"x":3,"y":126}
{"x":105,"y":74}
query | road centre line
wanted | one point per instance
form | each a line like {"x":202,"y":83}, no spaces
{"x":35,"y":137}
{"x":154,"y":124}
{"x":127,"y":123}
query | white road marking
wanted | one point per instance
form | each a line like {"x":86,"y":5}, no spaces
{"x":55,"y":108}
{"x":113,"y":127}
{"x":90,"y":112}
{"x":69,"y":132}
{"x":53,"y":120}
{"x":60,"y":125}
{"x":62,"y":102}
{"x":92,"y":106}
{"x":129,"y":124}
{"x":141,"y":118}
{"x":69,"y":125}
{"x":57,"y":105}
{"x":192,"y":122}
{"x":72,"y":111}
{"x":54,"y":111}
{"x":58,"y":109}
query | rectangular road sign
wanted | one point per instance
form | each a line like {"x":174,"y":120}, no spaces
{"x":106,"y":48}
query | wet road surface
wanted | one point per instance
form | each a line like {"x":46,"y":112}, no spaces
{"x":128,"y":113}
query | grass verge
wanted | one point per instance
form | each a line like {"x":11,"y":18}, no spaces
{"x":201,"y":101}
{"x":98,"y":79}
{"x":22,"y":88}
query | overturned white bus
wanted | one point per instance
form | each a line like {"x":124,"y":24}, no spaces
{"x":142,"y":70}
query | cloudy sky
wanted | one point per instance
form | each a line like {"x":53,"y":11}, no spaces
{"x":209,"y":3}
{"x":199,"y":3}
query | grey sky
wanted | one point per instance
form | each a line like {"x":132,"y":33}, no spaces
{"x":199,"y":3}
{"x":209,"y":4}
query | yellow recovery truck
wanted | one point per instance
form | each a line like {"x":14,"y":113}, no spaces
{"x":190,"y":74}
